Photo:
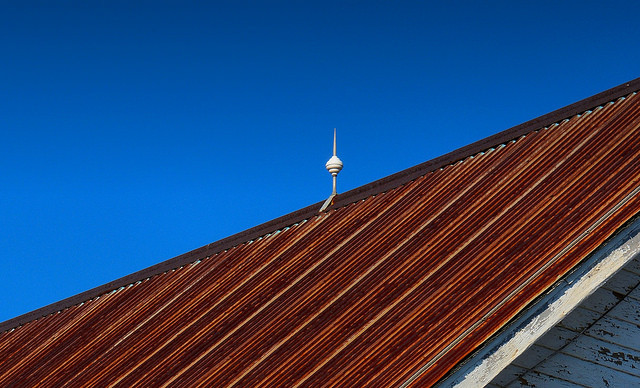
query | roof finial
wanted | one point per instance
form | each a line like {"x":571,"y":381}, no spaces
{"x":334,"y":165}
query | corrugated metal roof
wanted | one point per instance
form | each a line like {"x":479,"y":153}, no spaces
{"x":397,"y":282}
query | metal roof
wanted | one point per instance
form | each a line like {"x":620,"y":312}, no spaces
{"x":396,"y":283}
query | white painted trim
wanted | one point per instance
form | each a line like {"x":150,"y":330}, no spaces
{"x":548,"y":311}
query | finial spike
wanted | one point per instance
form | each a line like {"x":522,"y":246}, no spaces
{"x":334,"y":142}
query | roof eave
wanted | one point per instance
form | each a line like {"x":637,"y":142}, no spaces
{"x":568,"y":293}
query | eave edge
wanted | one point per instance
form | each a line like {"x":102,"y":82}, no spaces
{"x":538,"y":319}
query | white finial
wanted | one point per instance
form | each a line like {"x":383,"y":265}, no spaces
{"x":334,"y":165}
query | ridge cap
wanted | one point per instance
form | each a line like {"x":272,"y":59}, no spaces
{"x":354,"y":195}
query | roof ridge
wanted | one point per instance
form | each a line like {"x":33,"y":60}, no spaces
{"x":354,"y":195}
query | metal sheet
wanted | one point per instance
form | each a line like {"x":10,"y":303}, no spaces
{"x":410,"y":279}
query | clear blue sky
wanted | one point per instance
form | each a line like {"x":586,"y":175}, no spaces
{"x":135,"y":131}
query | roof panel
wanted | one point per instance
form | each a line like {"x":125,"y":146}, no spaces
{"x":396,"y":286}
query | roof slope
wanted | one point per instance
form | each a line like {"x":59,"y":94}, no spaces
{"x":396,"y":283}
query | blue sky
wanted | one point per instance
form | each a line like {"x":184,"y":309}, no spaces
{"x":135,"y":131}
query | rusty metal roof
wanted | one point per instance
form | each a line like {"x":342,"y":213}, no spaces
{"x":396,"y":283}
